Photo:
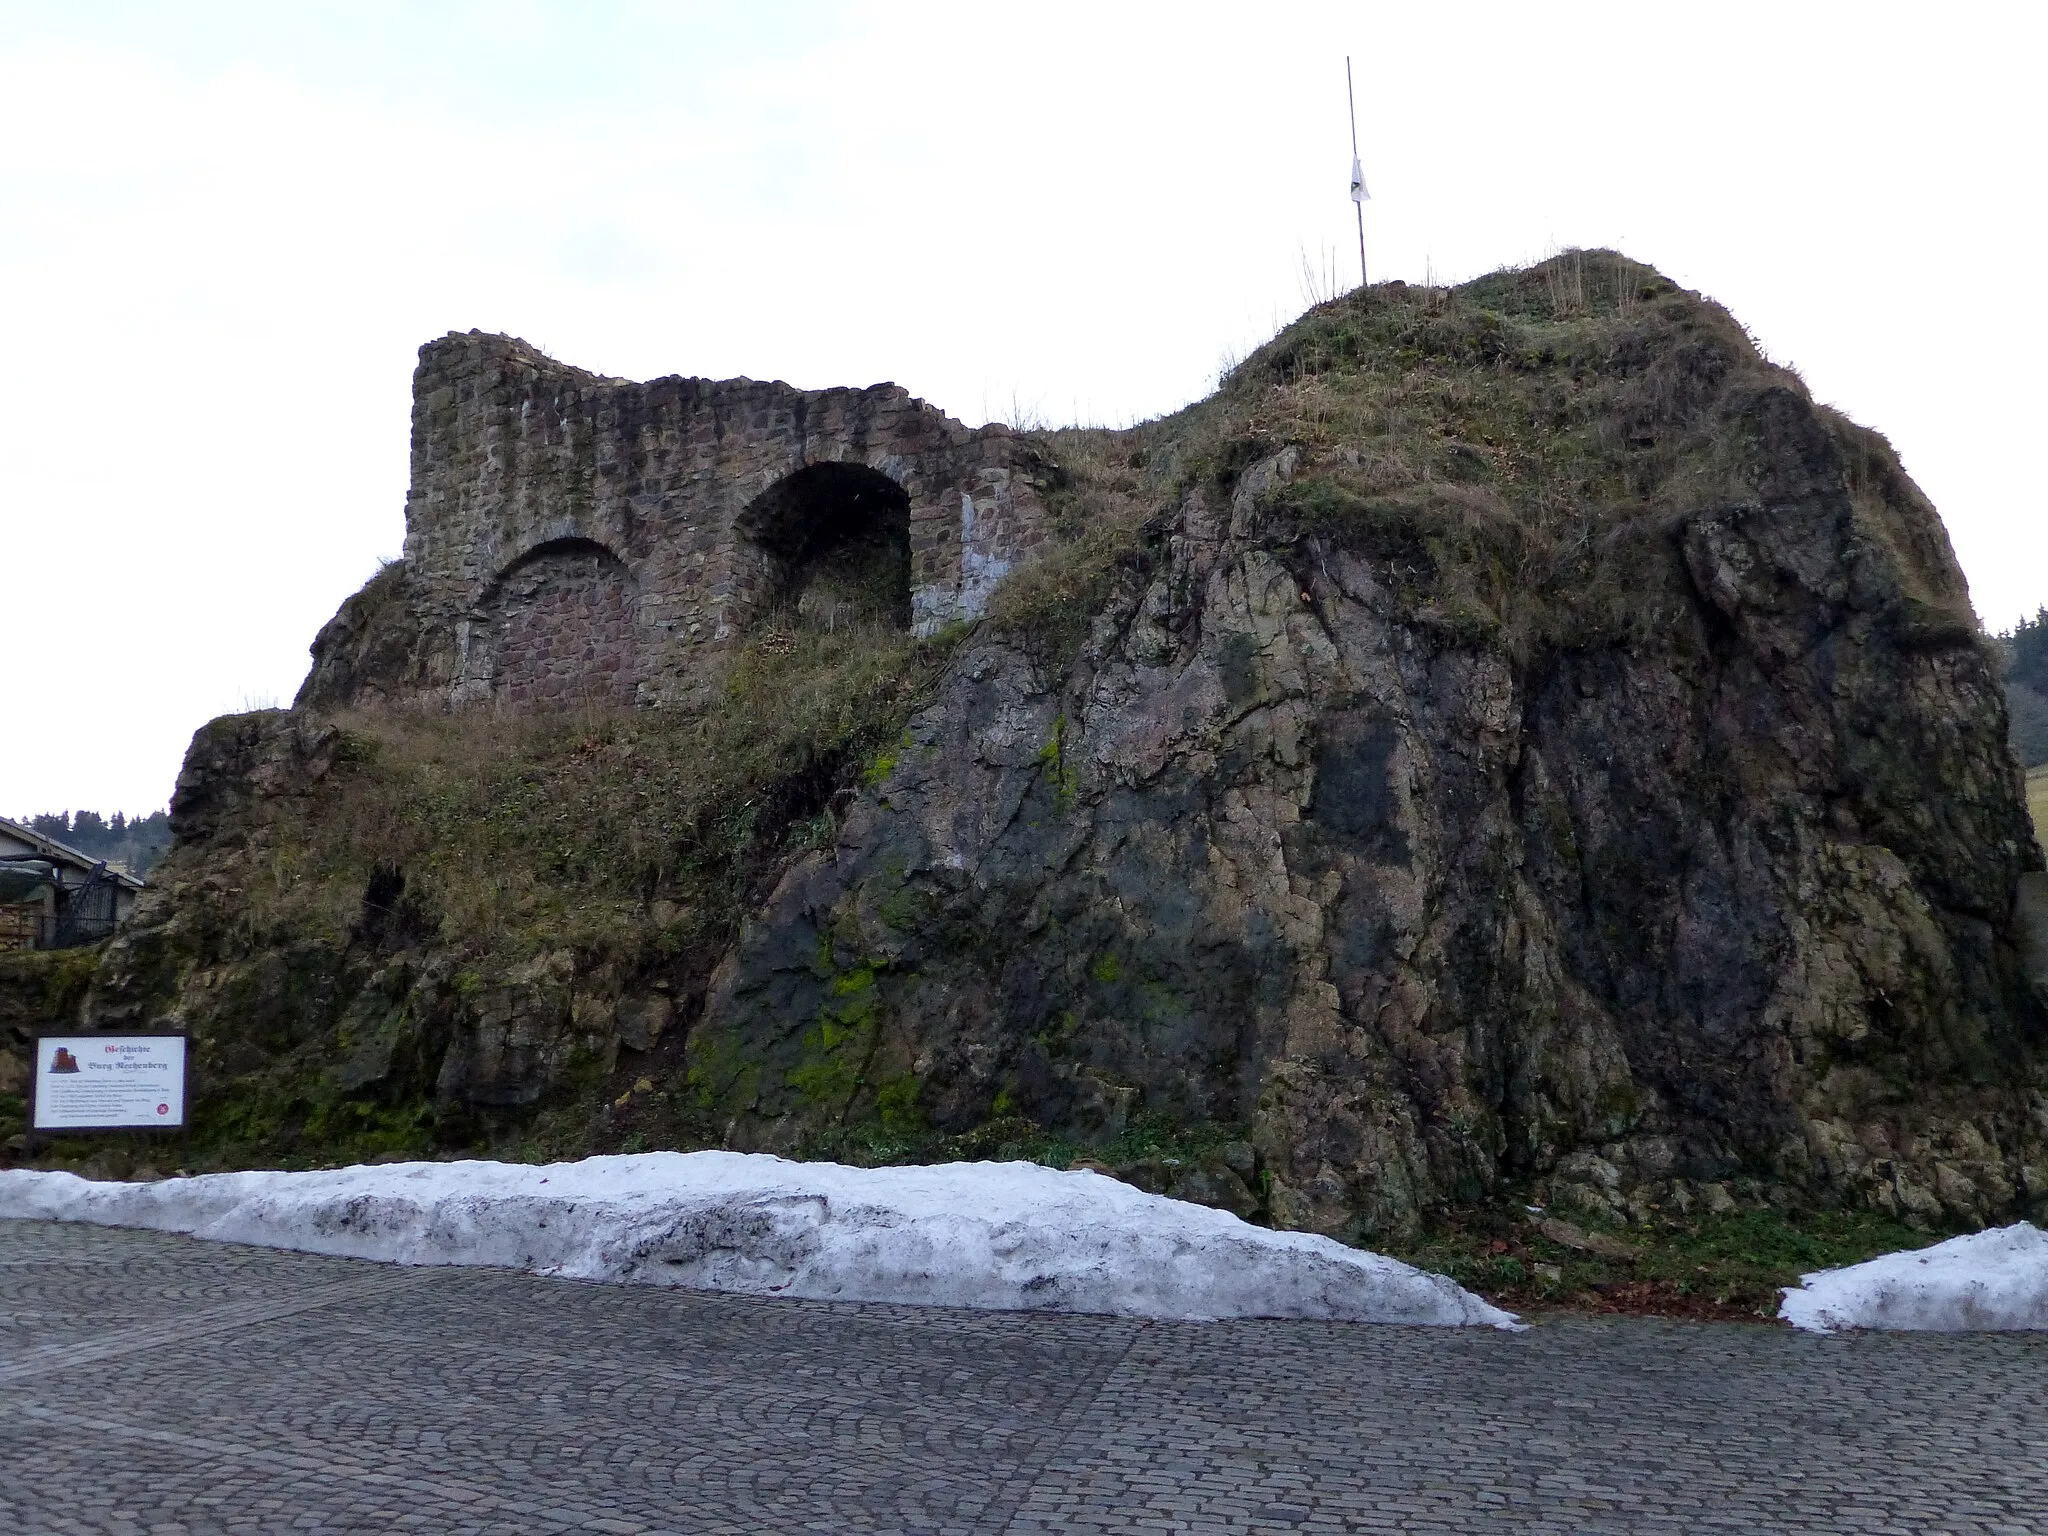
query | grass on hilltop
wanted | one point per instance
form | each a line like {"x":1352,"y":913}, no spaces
{"x":1512,"y":456}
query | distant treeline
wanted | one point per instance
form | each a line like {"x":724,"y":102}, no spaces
{"x":2026,"y":686}
{"x":133,"y":844}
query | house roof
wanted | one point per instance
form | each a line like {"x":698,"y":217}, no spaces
{"x":60,"y":853}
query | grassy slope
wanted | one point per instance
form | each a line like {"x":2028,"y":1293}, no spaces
{"x":523,"y":835}
{"x":617,"y":848}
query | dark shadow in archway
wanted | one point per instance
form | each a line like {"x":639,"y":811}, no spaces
{"x":836,"y":542}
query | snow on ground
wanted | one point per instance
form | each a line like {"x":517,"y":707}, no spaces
{"x":996,"y":1235}
{"x":1994,"y":1279}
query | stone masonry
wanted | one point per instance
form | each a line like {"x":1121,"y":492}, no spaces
{"x":571,"y":538}
{"x":563,"y":623}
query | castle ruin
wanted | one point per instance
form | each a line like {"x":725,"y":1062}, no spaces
{"x":572,"y":539}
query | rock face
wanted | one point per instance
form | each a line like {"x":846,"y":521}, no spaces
{"x":1729,"y":894}
{"x":1508,"y":739}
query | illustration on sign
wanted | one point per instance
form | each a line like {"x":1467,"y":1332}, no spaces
{"x":109,"y":1082}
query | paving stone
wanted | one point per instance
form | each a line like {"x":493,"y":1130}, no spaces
{"x":157,"y":1384}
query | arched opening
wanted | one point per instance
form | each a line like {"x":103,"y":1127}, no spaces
{"x":561,"y":625}
{"x":833,"y":542}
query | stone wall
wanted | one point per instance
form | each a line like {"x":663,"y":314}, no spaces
{"x":560,"y":629}
{"x":571,"y":537}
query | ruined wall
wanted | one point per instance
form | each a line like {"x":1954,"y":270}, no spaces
{"x":573,"y":537}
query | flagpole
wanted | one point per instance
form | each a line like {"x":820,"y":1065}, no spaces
{"x":1351,"y":100}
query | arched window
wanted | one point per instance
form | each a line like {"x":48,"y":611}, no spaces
{"x":832,"y":546}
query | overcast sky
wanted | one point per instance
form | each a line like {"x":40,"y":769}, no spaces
{"x":225,"y":230}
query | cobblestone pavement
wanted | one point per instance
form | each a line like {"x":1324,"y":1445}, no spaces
{"x":156,"y":1384}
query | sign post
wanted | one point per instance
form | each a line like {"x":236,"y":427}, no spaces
{"x":85,"y":1083}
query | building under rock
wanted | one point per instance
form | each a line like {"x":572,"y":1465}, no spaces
{"x":572,"y":539}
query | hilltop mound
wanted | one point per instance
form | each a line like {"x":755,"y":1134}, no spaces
{"x":1509,"y":737}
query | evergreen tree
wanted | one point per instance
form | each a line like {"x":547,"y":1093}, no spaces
{"x":2026,"y":686}
{"x":135,"y":844}
{"x":2027,"y":653}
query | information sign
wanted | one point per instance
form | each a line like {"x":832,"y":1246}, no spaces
{"x":109,"y":1083}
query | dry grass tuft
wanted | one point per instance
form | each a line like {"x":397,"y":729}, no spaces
{"x":1105,"y":507}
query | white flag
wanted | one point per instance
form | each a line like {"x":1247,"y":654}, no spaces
{"x":1358,"y":192}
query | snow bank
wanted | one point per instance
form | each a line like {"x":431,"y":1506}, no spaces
{"x":1995,"y":1279}
{"x":1000,"y":1235}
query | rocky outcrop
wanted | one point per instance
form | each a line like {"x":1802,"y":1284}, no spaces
{"x":1506,"y":741}
{"x":1727,"y":896}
